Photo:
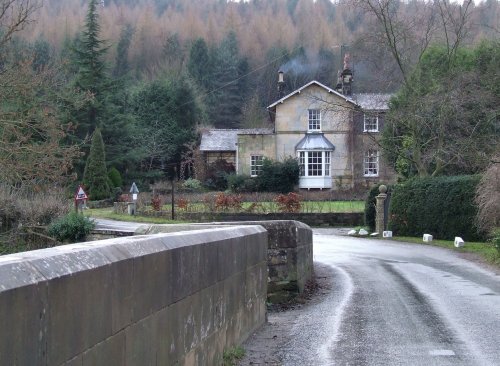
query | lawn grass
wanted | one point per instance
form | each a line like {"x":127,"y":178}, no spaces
{"x":485,"y":250}
{"x":306,"y":207}
{"x":107,"y":213}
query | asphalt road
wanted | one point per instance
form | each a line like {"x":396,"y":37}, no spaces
{"x":103,"y":224}
{"x":397,"y":304}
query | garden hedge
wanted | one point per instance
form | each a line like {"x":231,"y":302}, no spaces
{"x":441,"y":206}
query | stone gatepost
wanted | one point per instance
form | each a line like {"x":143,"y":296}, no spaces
{"x":379,"y":209}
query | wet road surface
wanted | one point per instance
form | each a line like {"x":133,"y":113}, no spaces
{"x":103,"y":224}
{"x":397,"y":304}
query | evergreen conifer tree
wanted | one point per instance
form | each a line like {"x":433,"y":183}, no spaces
{"x":121,"y":64}
{"x":95,"y":176}
{"x":199,"y":64}
{"x":229,"y":92}
{"x":91,"y":76}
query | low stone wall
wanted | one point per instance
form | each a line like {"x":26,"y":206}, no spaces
{"x":166,"y":299}
{"x":289,"y":253}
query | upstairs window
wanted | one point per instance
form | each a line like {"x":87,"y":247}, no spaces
{"x":371,"y":122}
{"x":371,"y":163}
{"x":314,"y":120}
{"x":256,"y":165}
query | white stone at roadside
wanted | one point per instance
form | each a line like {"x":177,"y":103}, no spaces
{"x":352,"y":232}
{"x":374,"y":234}
{"x":363,"y":232}
{"x":387,"y":234}
{"x":427,"y":238}
{"x":459,"y":242}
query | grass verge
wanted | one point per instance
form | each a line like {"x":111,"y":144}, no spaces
{"x":107,"y":213}
{"x":232,"y":355}
{"x":486,"y":251}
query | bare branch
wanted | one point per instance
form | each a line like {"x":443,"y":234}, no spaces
{"x":15,"y":15}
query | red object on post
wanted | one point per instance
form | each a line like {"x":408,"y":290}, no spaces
{"x":80,"y":196}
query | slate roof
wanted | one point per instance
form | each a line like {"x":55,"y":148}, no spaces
{"x":314,"y":141}
{"x":226,"y":139}
{"x":373,"y":101}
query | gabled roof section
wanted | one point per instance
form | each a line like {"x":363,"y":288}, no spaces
{"x":226,"y":139}
{"x":373,"y":101}
{"x":299,"y":90}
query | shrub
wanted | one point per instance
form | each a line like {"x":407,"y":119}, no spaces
{"x":496,"y":239}
{"x":279,"y":176}
{"x":217,"y":175}
{"x":488,"y":198}
{"x":95,"y":176}
{"x":235,"y":182}
{"x":182,"y":204}
{"x":241,"y":183}
{"x":124,"y":198}
{"x":115,"y":178}
{"x":224,"y":202}
{"x":156,"y":203}
{"x":193,"y":185}
{"x":290,"y":202}
{"x":441,"y":206}
{"x":72,"y":227}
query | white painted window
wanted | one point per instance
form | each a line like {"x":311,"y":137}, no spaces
{"x":370,"y":122}
{"x":327,"y":163}
{"x":371,"y":163}
{"x":256,"y":165}
{"x":302,"y":163}
{"x":314,"y":120}
{"x":314,"y":163}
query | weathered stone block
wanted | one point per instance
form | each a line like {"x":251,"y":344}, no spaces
{"x":140,"y":346}
{"x":109,"y":352}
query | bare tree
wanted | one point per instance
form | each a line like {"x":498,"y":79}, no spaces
{"x":15,"y":15}
{"x":32,"y":150}
{"x":407,"y":34}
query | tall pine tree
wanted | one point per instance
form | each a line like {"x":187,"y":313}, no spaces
{"x":229,"y":85}
{"x":106,"y":109}
{"x":199,"y":66}
{"x":91,"y":76}
{"x":121,"y":65}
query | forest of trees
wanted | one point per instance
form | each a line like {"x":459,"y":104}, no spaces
{"x":148,"y":73}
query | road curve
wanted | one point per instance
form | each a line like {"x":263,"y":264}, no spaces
{"x":397,"y":304}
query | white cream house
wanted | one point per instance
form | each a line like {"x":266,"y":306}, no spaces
{"x":332,"y":135}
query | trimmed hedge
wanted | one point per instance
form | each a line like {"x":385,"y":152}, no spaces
{"x":441,"y":206}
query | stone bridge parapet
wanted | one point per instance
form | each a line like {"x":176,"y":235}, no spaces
{"x":164,"y":299}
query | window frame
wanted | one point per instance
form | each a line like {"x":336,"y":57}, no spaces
{"x":367,"y":116}
{"x":314,"y":120}
{"x":255,"y":167}
{"x":371,"y":163}
{"x":315,"y":163}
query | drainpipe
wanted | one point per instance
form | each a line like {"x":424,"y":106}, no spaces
{"x":237,"y":158}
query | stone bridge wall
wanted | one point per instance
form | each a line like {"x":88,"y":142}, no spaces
{"x":145,"y":300}
{"x":289,"y":254}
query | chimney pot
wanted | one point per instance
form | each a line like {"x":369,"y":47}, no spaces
{"x":280,"y":77}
